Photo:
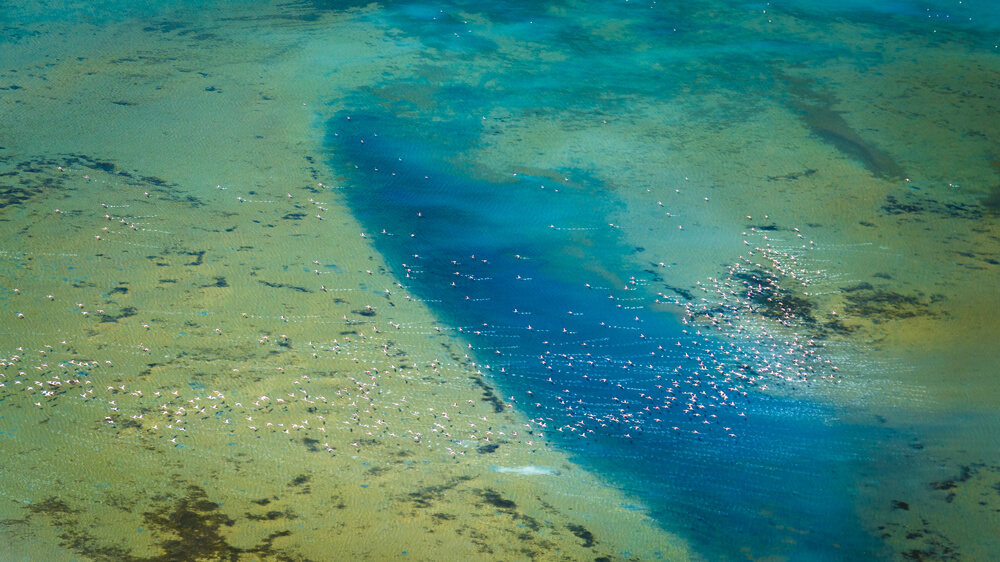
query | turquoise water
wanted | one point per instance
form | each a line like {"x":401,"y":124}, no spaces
{"x":736,"y":260}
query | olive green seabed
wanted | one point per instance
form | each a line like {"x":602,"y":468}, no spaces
{"x":226,"y":112}
{"x":178,"y":383}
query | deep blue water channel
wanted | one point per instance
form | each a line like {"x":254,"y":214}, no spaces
{"x":523,"y":267}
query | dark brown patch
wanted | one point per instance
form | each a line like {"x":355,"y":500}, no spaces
{"x":491,"y":497}
{"x":991,"y":201}
{"x":581,"y":533}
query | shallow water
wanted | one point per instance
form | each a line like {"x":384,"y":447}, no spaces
{"x":633,"y":280}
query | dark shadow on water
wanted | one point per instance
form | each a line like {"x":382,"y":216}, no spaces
{"x":815,"y":108}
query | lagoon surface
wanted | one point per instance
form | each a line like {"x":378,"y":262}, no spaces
{"x":514,"y":281}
